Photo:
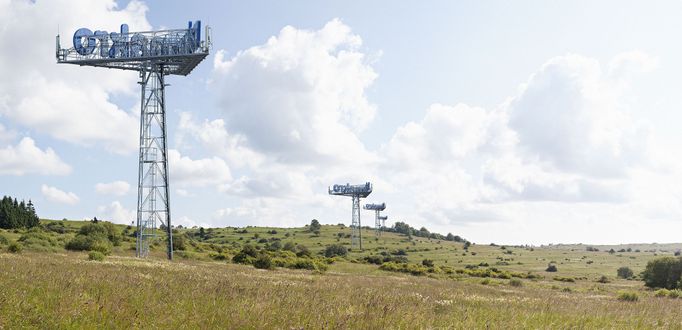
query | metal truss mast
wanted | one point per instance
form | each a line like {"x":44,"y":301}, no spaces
{"x":153,"y":204}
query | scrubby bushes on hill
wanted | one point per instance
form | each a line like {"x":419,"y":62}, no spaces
{"x":100,"y":236}
{"x":404,"y":228}
{"x":37,"y":240}
{"x":285,"y":259}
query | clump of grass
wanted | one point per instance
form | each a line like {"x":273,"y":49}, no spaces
{"x":485,"y":281}
{"x":603,"y":279}
{"x":566,"y":289}
{"x":628,"y":296}
{"x":96,"y":256}
{"x":662,"y":293}
{"x":515,"y":282}
{"x":14,"y":247}
{"x":675,"y":293}
{"x":564,"y":279}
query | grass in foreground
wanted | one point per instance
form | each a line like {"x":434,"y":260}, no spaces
{"x":66,"y":290}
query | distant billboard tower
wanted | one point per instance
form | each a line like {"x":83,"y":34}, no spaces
{"x":377,"y":208}
{"x":154,"y":54}
{"x":383,"y":219}
{"x":355,"y":192}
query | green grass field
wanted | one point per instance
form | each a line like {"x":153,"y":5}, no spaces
{"x":46,"y":286}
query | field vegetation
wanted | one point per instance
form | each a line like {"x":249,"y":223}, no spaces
{"x":73,"y":274}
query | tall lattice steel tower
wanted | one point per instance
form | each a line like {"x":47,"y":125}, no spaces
{"x":377,"y":208}
{"x":355,"y":192}
{"x":154,"y":54}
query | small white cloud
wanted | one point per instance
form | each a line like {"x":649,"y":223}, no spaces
{"x":116,"y":188}
{"x":117,"y":213}
{"x":58,"y":196}
{"x":26,"y":158}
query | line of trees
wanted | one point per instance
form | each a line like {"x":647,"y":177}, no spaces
{"x":403,"y":228}
{"x":15,"y":214}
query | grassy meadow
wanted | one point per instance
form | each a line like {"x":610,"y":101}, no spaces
{"x":46,"y":286}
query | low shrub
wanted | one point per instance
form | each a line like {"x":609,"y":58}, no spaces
{"x":96,"y":256}
{"x":625,"y":272}
{"x":413,"y":269}
{"x":335,"y":250}
{"x":662,"y":293}
{"x":603,"y":279}
{"x":3,"y":240}
{"x":14,"y":247}
{"x":551,"y":268}
{"x":564,"y":279}
{"x":628,"y":296}
{"x":515,"y":282}
{"x":263,"y":262}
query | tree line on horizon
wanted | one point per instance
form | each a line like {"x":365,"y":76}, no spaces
{"x":404,"y":228}
{"x":17,"y":214}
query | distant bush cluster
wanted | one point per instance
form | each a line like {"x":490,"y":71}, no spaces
{"x":404,"y":228}
{"x":427,"y":267}
{"x":15,"y":214}
{"x":265,"y":259}
{"x":96,"y":236}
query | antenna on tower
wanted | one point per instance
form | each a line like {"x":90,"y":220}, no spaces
{"x":377,"y":208}
{"x":155,"y":55}
{"x":355,"y":192}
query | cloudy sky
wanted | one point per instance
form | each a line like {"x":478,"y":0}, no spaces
{"x":509,"y":122}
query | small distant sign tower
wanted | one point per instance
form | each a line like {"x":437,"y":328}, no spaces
{"x":155,"y":55}
{"x":377,"y":208}
{"x":355,"y":192}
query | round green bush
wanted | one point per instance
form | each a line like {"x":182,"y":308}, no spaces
{"x":263,"y":262}
{"x":96,"y":256}
{"x":625,"y":272}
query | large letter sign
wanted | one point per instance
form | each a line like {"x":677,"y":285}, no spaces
{"x":122,"y":45}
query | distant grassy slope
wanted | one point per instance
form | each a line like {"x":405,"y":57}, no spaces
{"x":571,"y":260}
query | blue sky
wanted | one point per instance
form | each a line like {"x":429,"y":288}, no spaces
{"x":523,"y":122}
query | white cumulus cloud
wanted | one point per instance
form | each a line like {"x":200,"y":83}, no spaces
{"x":27,"y":158}
{"x":53,"y":194}
{"x":300,"y":97}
